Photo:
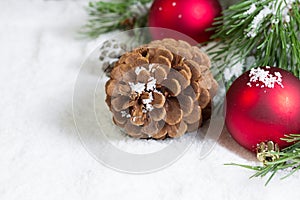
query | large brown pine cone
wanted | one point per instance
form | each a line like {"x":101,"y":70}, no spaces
{"x":161,"y":89}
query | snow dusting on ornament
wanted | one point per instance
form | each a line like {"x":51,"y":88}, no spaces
{"x":264,"y":77}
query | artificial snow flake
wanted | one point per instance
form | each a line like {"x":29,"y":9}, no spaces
{"x":137,"y":87}
{"x":149,"y":107}
{"x":151,"y":85}
{"x":139,"y":69}
{"x":151,"y":69}
{"x":125,"y":114}
{"x":144,"y":110}
{"x":258,"y":19}
{"x":265,"y":78}
{"x":251,"y":9}
{"x":149,"y":100}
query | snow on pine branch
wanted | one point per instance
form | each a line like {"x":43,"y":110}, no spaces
{"x":283,"y":6}
{"x":251,"y":9}
{"x":236,"y":69}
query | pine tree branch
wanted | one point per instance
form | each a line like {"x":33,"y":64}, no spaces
{"x":268,"y":30}
{"x":110,"y":16}
{"x":288,"y":161}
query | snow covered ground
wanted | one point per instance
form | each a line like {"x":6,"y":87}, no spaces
{"x":41,"y":154}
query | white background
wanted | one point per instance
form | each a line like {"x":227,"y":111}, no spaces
{"x":41,"y":156}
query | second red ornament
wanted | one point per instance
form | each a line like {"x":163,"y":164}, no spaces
{"x":263,"y":105}
{"x":191,"y":17}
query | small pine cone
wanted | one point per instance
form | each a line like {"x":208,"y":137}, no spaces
{"x":110,"y":53}
{"x":162,"y":89}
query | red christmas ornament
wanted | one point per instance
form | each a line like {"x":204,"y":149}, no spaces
{"x":263,"y":105}
{"x":191,"y":17}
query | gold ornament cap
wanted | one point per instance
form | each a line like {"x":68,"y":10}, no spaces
{"x":267,"y":151}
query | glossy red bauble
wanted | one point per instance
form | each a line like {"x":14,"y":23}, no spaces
{"x":263,"y":105}
{"x":191,"y":17}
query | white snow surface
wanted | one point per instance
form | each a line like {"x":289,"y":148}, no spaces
{"x":42,"y":157}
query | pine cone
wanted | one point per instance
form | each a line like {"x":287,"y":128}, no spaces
{"x":161,"y":89}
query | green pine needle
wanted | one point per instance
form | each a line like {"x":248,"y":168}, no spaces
{"x":110,"y":16}
{"x":274,"y":41}
{"x":289,"y":160}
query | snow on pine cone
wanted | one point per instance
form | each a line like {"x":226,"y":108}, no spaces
{"x":161,"y":89}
